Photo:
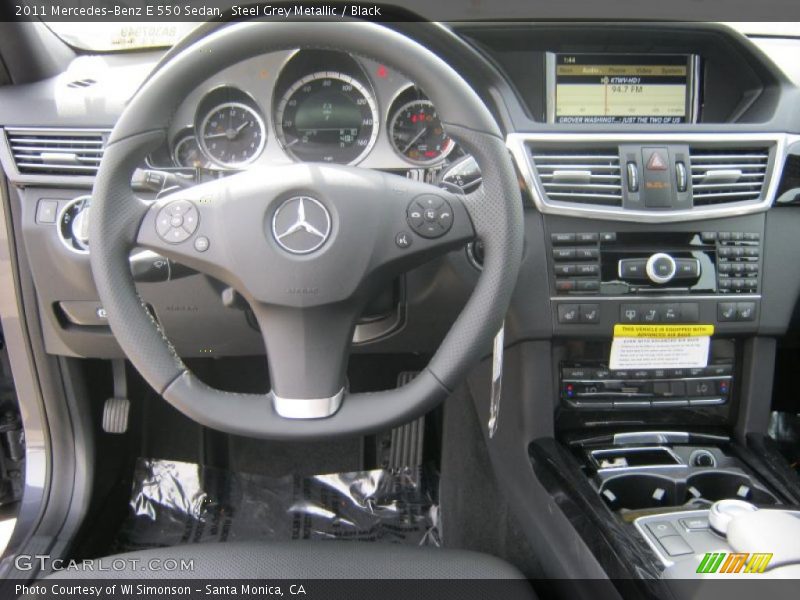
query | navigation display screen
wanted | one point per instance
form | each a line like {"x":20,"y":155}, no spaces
{"x":623,"y":88}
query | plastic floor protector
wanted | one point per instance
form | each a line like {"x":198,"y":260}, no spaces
{"x":176,"y":503}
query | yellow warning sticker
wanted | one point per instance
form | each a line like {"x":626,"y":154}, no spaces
{"x":662,"y":331}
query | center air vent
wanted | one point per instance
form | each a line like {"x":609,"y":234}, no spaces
{"x":722,"y":175}
{"x":56,"y":152}
{"x":584,"y":176}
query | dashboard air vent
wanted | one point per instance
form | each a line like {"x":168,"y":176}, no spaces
{"x":721,"y":176}
{"x":56,"y":152}
{"x":588,"y":175}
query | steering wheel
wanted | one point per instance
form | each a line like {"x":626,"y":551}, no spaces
{"x":306,"y":245}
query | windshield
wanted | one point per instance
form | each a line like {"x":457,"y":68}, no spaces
{"x":107,"y":37}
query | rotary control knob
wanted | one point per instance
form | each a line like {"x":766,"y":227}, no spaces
{"x":660,"y":268}
{"x":723,"y":512}
{"x":73,"y":224}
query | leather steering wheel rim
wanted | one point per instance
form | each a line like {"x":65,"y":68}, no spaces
{"x":493,"y":214}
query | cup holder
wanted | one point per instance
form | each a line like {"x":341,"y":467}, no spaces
{"x":639,"y":490}
{"x":720,"y":485}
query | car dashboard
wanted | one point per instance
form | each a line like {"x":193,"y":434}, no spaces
{"x":662,"y":140}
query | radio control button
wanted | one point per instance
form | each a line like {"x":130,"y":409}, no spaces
{"x":562,"y":238}
{"x":587,"y":285}
{"x":660,"y":268}
{"x":565,"y":285}
{"x":632,"y":268}
{"x":708,"y":236}
{"x":564,"y":253}
{"x":586,"y":238}
{"x":590,"y":269}
{"x":564,"y":269}
{"x":608,"y":236}
{"x":687,"y":268}
{"x":586,"y":253}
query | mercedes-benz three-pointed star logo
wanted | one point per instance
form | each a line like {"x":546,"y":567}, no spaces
{"x":301,"y":225}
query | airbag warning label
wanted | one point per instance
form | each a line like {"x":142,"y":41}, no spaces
{"x":660,"y":346}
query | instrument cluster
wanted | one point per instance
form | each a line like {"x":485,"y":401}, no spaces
{"x":306,"y":106}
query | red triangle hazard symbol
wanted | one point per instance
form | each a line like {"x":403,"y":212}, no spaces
{"x":656,"y":162}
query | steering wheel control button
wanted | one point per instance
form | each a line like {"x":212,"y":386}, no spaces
{"x":403,"y":240}
{"x":430,"y":216}
{"x":178,"y":208}
{"x":201,"y":243}
{"x":177,"y":221}
{"x":301,"y":225}
{"x":660,"y":268}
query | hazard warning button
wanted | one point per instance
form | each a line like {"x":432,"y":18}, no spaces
{"x":657,"y":162}
{"x":657,"y":189}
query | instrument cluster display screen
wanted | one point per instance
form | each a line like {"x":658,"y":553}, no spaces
{"x":623,"y":89}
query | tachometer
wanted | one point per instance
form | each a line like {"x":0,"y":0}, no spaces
{"x":417,"y":135}
{"x":327,"y":116}
{"x":232,"y":134}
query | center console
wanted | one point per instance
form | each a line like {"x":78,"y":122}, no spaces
{"x":665,"y":231}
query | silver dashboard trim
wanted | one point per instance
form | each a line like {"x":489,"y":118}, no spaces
{"x":517,"y":145}
{"x":307,"y":408}
{"x":632,"y":298}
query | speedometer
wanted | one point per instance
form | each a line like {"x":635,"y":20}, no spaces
{"x":327,"y":116}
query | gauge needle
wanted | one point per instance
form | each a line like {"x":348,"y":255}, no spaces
{"x":414,"y":139}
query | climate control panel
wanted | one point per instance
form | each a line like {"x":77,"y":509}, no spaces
{"x":594,"y":386}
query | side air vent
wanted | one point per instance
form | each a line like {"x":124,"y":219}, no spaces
{"x":721,"y":176}
{"x":579,"y":175}
{"x":56,"y":152}
{"x":789,"y":188}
